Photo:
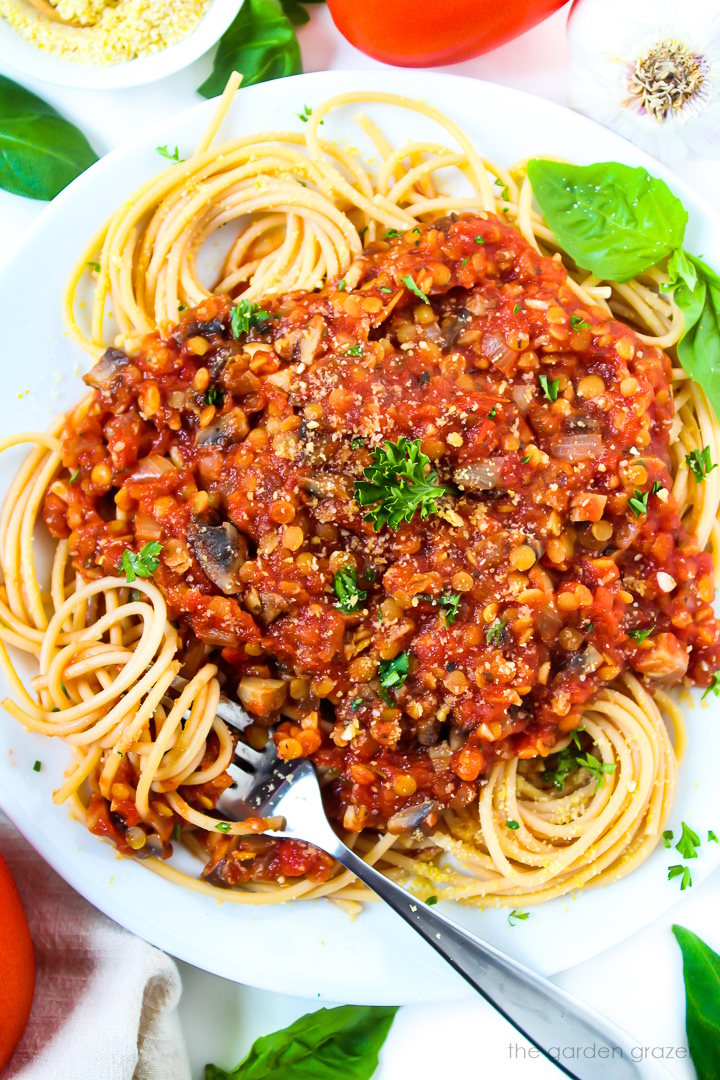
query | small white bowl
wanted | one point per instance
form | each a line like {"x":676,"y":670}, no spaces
{"x":23,"y":57}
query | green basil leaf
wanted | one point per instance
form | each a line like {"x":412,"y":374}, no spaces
{"x":614,"y":220}
{"x":696,"y":290}
{"x":260,"y":43}
{"x":701,"y":972}
{"x":40,"y":151}
{"x":295,"y":10}
{"x":330,"y":1044}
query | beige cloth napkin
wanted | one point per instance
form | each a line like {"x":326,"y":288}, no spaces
{"x":105,"y":1001}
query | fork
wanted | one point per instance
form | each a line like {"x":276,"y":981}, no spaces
{"x":541,"y":1011}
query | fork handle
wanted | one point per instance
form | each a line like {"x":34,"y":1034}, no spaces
{"x":541,"y":1011}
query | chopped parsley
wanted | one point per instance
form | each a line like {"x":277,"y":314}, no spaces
{"x":524,"y":461}
{"x":495,"y":633}
{"x":305,"y":114}
{"x":356,"y":703}
{"x":578,"y":323}
{"x":431,"y":901}
{"x":563,"y":765}
{"x":398,"y":485}
{"x":505,"y":193}
{"x":357,"y":442}
{"x":142,"y":564}
{"x":598,"y":769}
{"x":549,"y":387}
{"x":688,"y":843}
{"x":712,"y":837}
{"x":667,"y":838}
{"x":449,"y":601}
{"x":517,"y":309}
{"x":700,"y":463}
{"x":393,"y":673}
{"x":714,"y":687}
{"x":164,"y":152}
{"x":639,"y":502}
{"x":346,"y":589}
{"x":223,"y":826}
{"x":393,"y":234}
{"x":370,"y":573}
{"x":465,"y":261}
{"x":640,"y":635}
{"x":94,"y":266}
{"x":356,"y":350}
{"x":518,"y":916}
{"x":341,"y":285}
{"x":176,"y":831}
{"x":479,"y":240}
{"x":75,"y":476}
{"x":385,"y":289}
{"x":511,"y":824}
{"x":409,"y":282}
{"x":492,"y":414}
{"x":361,"y":232}
{"x":246,"y":316}
{"x":214,"y":396}
{"x":683,"y":872}
{"x":37,"y":766}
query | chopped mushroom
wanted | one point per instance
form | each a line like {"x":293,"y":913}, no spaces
{"x":262,"y":696}
{"x":224,"y":430}
{"x":412,"y":817}
{"x":221,"y":551}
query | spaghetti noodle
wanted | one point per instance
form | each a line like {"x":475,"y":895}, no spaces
{"x":149,"y":763}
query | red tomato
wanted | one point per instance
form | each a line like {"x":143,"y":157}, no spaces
{"x":418,"y":34}
{"x":17,"y":966}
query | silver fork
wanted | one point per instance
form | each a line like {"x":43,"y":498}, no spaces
{"x":541,"y":1011}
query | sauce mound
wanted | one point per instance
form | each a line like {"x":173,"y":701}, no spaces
{"x":403,"y":660}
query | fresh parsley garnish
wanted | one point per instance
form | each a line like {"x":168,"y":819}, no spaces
{"x":356,"y":703}
{"x":431,"y":901}
{"x":246,"y":316}
{"x":341,"y":285}
{"x":164,"y":152}
{"x":75,"y":476}
{"x":714,"y":687}
{"x":356,"y":442}
{"x":495,"y":633}
{"x":563,"y":764}
{"x":409,"y":282}
{"x":549,"y":387}
{"x":306,"y":114}
{"x":479,"y":240}
{"x":492,"y":414}
{"x":517,"y":309}
{"x":667,"y":838}
{"x":516,"y":916}
{"x":578,"y":323}
{"x":393,"y":673}
{"x":94,"y":266}
{"x":639,"y":502}
{"x":346,"y":589}
{"x":688,"y":843}
{"x":712,"y":837}
{"x":398,"y":485}
{"x":393,"y":234}
{"x":37,"y":766}
{"x":214,"y":396}
{"x":176,"y":831}
{"x":449,"y":601}
{"x":356,"y":350}
{"x":683,"y":872}
{"x":511,"y":824}
{"x":598,"y":769}
{"x":700,"y":463}
{"x":385,"y":289}
{"x":142,"y":564}
{"x":640,"y":635}
{"x":223,"y":826}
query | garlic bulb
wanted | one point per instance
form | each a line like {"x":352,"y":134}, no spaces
{"x":650,"y":69}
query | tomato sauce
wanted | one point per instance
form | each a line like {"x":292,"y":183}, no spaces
{"x":555,"y":548}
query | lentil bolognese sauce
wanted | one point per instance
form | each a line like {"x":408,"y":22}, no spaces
{"x":424,"y":519}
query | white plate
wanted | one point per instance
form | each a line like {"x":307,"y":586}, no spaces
{"x":24,"y":57}
{"x":310,"y":949}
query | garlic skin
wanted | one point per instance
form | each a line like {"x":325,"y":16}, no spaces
{"x":649,"y":69}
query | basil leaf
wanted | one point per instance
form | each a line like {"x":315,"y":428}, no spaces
{"x":295,"y":10}
{"x":260,"y":43}
{"x":614,"y":220}
{"x":330,"y":1044}
{"x":701,"y":972}
{"x":40,"y":151}
{"x":696,"y":290}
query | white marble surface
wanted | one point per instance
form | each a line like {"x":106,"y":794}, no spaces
{"x":637,"y":984}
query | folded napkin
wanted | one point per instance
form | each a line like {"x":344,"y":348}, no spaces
{"x":105,"y":1001}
